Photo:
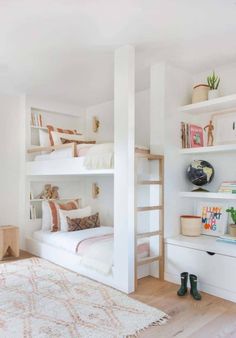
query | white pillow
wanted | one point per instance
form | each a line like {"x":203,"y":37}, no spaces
{"x":56,"y":136}
{"x":46,"y":217}
{"x":44,"y":140}
{"x":77,"y":213}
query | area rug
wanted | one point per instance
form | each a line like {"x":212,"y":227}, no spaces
{"x":40,"y":299}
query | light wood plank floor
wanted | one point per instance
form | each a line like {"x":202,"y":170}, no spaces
{"x":23,"y":255}
{"x":211,"y":317}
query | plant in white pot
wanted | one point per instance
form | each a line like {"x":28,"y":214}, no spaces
{"x":232,"y":227}
{"x":213,"y":83}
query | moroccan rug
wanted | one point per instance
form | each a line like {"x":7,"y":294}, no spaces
{"x":38,"y":299}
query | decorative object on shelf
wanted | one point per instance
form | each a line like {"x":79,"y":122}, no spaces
{"x":214,"y":218}
{"x":49,"y":192}
{"x":210,"y":136}
{"x":95,"y":190}
{"x":191,"y":225}
{"x":96,"y":124}
{"x":232,"y":227}
{"x":227,"y":238}
{"x":213,"y":83}
{"x":191,"y":135}
{"x":228,"y":187}
{"x":200,"y":173}
{"x":200,"y":93}
{"x":225,"y":127}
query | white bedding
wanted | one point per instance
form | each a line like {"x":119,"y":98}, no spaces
{"x":95,"y":253}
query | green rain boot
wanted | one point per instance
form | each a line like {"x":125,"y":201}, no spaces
{"x":194,"y":291}
{"x":184,"y":280}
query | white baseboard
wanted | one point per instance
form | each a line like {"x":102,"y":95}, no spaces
{"x":218,"y":292}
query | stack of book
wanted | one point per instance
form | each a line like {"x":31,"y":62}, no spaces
{"x":228,"y":187}
{"x":191,"y":135}
{"x":227,"y":238}
{"x":36,"y":120}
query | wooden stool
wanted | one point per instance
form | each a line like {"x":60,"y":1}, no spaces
{"x":9,"y":241}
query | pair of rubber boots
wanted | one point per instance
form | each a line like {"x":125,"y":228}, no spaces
{"x":193,"y":283}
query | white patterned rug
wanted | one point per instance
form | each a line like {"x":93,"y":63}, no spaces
{"x":39,"y":299}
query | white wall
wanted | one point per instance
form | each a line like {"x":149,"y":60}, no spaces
{"x":105,"y":113}
{"x":11,"y":169}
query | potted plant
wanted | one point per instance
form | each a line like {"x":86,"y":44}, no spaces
{"x":213,"y":83}
{"x":200,"y":93}
{"x":232,"y":227}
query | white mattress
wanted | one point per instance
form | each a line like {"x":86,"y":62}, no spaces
{"x":59,"y":153}
{"x":69,"y":240}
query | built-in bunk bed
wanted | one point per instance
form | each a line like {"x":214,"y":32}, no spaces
{"x":70,"y":232}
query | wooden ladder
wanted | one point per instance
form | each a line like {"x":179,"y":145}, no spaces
{"x":140,"y":153}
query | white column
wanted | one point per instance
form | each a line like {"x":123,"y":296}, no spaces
{"x":124,"y":121}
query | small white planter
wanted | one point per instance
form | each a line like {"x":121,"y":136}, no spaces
{"x":213,"y":94}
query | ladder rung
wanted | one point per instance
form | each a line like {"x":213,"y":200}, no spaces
{"x":147,"y":182}
{"x":156,"y":207}
{"x":149,"y":156}
{"x":148,"y":260}
{"x":149,"y":234}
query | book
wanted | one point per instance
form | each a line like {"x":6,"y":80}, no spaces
{"x":228,"y":187}
{"x":195,"y":136}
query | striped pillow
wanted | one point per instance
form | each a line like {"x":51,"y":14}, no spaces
{"x":54,"y":211}
{"x":60,"y":130}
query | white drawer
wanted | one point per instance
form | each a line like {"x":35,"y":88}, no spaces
{"x":216,"y":270}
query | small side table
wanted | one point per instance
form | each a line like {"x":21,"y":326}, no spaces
{"x":9,"y":241}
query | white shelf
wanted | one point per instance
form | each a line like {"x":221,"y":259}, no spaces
{"x":210,"y":106}
{"x":205,"y":150}
{"x":203,"y":242}
{"x":35,"y":200}
{"x":38,"y":127}
{"x":208,"y":195}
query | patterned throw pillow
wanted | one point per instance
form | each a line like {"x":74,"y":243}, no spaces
{"x":60,"y":130}
{"x":65,"y":141}
{"x":89,"y":222}
{"x":54,"y":210}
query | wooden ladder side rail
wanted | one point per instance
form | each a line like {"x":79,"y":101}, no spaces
{"x":39,"y":149}
{"x":159,"y":233}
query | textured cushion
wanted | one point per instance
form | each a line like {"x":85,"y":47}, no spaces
{"x":77,"y":213}
{"x":56,"y":133}
{"x":89,"y":222}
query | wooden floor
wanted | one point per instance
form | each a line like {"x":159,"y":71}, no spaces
{"x":211,"y":317}
{"x":23,"y":255}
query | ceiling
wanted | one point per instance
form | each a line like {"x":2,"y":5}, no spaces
{"x":63,"y":49}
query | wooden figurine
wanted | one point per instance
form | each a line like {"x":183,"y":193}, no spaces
{"x":210,"y":136}
{"x":46,"y":193}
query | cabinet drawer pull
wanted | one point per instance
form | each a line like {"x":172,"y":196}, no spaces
{"x":211,"y":253}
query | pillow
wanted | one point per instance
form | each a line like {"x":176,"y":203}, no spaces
{"x":82,"y":149}
{"x":78,"y":213}
{"x":62,"y":132}
{"x":89,"y":222}
{"x":50,"y":213}
{"x":70,"y":140}
{"x":44,"y":140}
{"x":56,"y":136}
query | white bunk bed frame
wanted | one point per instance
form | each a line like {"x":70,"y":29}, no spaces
{"x":124,"y":273}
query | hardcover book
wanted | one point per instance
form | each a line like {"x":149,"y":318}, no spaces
{"x":196,"y":136}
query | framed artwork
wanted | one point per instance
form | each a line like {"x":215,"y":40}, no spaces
{"x":214,"y":218}
{"x":224,"y":128}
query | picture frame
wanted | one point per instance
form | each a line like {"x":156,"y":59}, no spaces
{"x":224,"y":128}
{"x":214,"y":218}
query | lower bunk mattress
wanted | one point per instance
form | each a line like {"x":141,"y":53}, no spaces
{"x":93,"y":246}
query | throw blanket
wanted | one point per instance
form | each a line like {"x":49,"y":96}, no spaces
{"x":100,"y":156}
{"x":97,"y":252}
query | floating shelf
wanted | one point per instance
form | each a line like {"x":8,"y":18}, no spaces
{"x":38,"y":127}
{"x":206,"y":150}
{"x":208,"y":195}
{"x":210,"y":106}
{"x":35,"y":200}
